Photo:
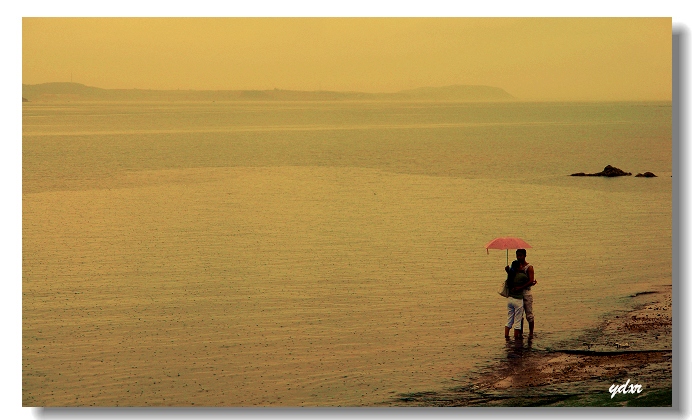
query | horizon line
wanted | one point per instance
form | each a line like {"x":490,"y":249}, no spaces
{"x":270,"y":89}
{"x":512,"y":98}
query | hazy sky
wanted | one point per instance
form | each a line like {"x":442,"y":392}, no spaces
{"x":532,"y":59}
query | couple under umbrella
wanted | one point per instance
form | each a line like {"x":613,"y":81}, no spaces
{"x":520,"y":278}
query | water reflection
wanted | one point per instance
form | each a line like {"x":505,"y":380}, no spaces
{"x":517,"y":347}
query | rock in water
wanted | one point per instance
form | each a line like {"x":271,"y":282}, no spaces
{"x":646,"y":175}
{"x":609,"y":171}
{"x":613,"y":171}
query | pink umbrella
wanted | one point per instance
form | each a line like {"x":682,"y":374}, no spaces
{"x":506,"y":243}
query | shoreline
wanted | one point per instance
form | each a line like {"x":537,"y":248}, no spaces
{"x":629,"y":347}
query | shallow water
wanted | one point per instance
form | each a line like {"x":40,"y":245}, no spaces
{"x":319,"y":254}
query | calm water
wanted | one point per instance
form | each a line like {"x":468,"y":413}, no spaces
{"x":239,"y":254}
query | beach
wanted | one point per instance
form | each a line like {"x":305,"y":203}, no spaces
{"x":629,"y":347}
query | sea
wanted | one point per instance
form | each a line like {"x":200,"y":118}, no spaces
{"x":321,"y":254}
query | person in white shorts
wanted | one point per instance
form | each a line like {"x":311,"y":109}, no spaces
{"x":527,"y":269}
{"x":515,"y":301}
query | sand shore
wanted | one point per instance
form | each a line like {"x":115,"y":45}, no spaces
{"x":634,"y":345}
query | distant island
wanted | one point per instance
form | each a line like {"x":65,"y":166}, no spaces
{"x":78,"y":92}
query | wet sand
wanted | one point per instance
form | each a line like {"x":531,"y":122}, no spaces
{"x":634,"y":345}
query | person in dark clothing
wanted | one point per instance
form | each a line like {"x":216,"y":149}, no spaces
{"x":516,"y":279}
{"x":527,"y":269}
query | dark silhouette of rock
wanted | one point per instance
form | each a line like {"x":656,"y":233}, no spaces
{"x":609,"y":171}
{"x":646,"y":175}
{"x":613,"y":171}
{"x":24,"y":99}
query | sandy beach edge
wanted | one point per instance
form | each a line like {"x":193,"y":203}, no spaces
{"x":625,"y":361}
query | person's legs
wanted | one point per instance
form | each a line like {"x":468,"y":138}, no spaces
{"x":518,"y":309}
{"x":518,"y":315}
{"x":510,"y":317}
{"x":528,"y":309}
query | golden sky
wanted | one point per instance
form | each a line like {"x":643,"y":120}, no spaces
{"x":531,"y":58}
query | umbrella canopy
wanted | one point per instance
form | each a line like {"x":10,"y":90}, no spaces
{"x":507,"y":243}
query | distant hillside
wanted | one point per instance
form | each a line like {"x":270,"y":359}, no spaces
{"x":80,"y":92}
{"x":58,"y":91}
